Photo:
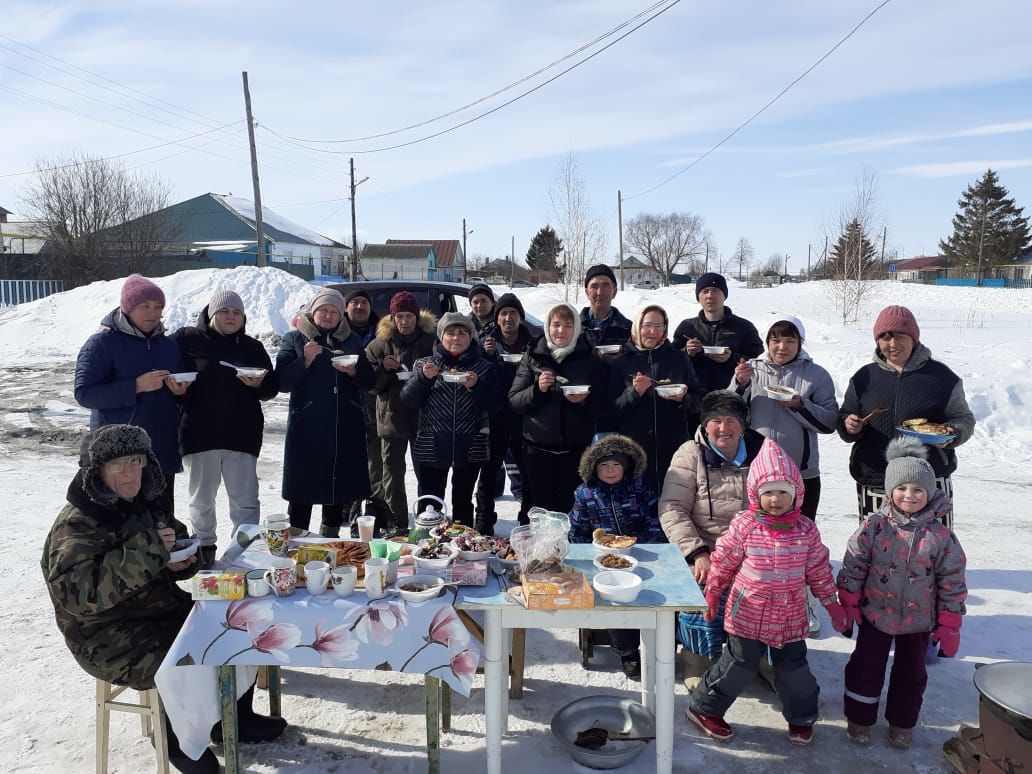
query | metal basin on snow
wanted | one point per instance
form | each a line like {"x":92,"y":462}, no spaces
{"x":619,"y":716}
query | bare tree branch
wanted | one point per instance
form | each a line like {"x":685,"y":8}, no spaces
{"x":583,"y":233}
{"x":668,"y":241}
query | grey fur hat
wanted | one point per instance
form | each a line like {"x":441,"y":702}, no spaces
{"x":448,"y":319}
{"x":908,"y":464}
{"x":109,"y":443}
{"x":613,"y":445}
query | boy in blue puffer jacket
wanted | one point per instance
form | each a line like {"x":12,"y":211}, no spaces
{"x":614,"y":497}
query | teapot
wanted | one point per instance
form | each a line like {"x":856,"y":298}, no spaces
{"x":428,"y":519}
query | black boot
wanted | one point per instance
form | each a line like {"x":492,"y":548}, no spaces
{"x":631,"y":665}
{"x":206,"y":557}
{"x":251,"y":726}
{"x":206,"y":764}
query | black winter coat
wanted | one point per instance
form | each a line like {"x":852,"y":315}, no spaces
{"x":393,"y":418}
{"x":658,"y":424}
{"x":219,"y":410}
{"x":505,"y":416}
{"x":735,"y":332}
{"x":550,"y":421}
{"x":453,"y":429}
{"x":324,"y":457}
{"x":618,"y":330}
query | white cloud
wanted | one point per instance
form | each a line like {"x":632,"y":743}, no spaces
{"x":960,"y":168}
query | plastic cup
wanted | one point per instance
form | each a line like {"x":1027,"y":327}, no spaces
{"x":378,"y":548}
{"x":366,"y":525}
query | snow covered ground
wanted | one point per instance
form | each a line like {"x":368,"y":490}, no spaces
{"x":373,"y":721}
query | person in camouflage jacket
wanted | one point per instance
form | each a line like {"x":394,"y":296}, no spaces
{"x":106,"y":562}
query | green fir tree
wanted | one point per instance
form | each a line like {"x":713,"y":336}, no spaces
{"x":988,"y":228}
{"x":544,"y":250}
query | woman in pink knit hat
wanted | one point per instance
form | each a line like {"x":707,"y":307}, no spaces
{"x":901,"y":383}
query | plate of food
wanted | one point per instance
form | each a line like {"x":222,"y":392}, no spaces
{"x":183,"y":549}
{"x":576,"y":389}
{"x":512,"y":358}
{"x":344,"y":360}
{"x":609,"y":561}
{"x":715,"y":350}
{"x":780,"y":393}
{"x":254,"y":373}
{"x":449,"y":530}
{"x":668,"y":390}
{"x":455,"y":377}
{"x":404,"y":376}
{"x":419,"y":588}
{"x":607,"y":542}
{"x":434,"y":556}
{"x":926,"y":431}
{"x":473,"y":547}
{"x":608,"y":349}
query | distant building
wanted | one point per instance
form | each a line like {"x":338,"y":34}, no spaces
{"x":923,"y":268}
{"x":398,"y":261}
{"x":451,"y":261}
{"x":637,"y":272}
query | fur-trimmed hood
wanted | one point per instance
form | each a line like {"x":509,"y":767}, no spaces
{"x":427,"y":323}
{"x":606,"y":446}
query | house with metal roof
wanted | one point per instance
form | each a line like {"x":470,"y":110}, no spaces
{"x":451,"y":260}
{"x":923,"y":268}
{"x":394,"y":261}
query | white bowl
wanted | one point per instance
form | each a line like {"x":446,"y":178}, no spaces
{"x":454,"y":377}
{"x":576,"y":389}
{"x":714,"y":350}
{"x":189,"y":549}
{"x":434,"y":564}
{"x":508,"y":358}
{"x":617,"y":585}
{"x":670,"y":390}
{"x":184,"y":376}
{"x":345,"y":360}
{"x":784,"y":394}
{"x":626,"y":557}
{"x":432,"y":581}
{"x":611,"y":550}
{"x":608,"y":349}
{"x":475,"y":556}
{"x":404,"y":376}
{"x":252,"y":372}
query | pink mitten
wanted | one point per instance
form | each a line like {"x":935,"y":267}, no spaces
{"x":840,"y":621}
{"x":947,"y":633}
{"x":713,"y":600}
{"x":851,"y":602}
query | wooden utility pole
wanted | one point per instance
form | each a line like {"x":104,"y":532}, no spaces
{"x":512,"y":262}
{"x":465,"y":258}
{"x":619,"y":225}
{"x":258,"y":227}
{"x":354,"y":225}
{"x":809,"y":247}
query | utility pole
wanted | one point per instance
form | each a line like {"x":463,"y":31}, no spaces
{"x":884,"y":234}
{"x":258,"y":227}
{"x":619,"y":226}
{"x":707,"y":256}
{"x":825,"y":257}
{"x":465,"y":258}
{"x":354,"y":229}
{"x":512,"y":261}
{"x":808,"y":249}
{"x":786,"y":264}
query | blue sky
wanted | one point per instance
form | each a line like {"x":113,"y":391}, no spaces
{"x":925,"y":96}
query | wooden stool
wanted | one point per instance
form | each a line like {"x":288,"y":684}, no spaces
{"x":152,"y":721}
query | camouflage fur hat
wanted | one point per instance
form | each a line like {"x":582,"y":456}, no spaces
{"x":109,"y":443}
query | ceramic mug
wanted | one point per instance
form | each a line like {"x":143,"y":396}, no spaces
{"x":376,"y":582}
{"x":317,"y":576}
{"x":256,"y":585}
{"x":277,"y":536}
{"x":282,"y":576}
{"x":343,"y":580}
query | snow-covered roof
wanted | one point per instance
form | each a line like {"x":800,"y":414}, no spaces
{"x":245,"y":209}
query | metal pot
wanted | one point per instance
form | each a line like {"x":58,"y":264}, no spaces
{"x":619,"y":716}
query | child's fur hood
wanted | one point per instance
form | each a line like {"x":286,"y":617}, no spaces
{"x":386,"y":328}
{"x":604,"y":447}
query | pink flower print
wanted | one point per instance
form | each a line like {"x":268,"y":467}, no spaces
{"x":334,"y":644}
{"x":272,"y":640}
{"x":241,"y":615}
{"x":463,"y":665}
{"x":447,"y":628}
{"x":379,"y":620}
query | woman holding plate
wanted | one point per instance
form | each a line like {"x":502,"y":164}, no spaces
{"x":902,"y":383}
{"x":657,"y":393}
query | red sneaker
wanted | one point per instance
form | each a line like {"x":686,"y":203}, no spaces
{"x":801,"y":735}
{"x":714,"y":728}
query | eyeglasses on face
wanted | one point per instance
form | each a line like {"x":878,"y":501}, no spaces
{"x":652,"y":326}
{"x":133,"y":461}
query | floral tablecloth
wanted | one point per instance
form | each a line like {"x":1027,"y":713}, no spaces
{"x":306,"y":631}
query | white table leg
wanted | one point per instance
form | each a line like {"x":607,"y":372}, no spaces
{"x":664,"y":647}
{"x":495,"y":688}
{"x":648,"y":668}
{"x":506,"y":652}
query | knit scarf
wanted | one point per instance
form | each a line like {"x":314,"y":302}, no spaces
{"x":785,"y":521}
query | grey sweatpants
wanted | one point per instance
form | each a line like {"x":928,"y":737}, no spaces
{"x":736,"y":669}
{"x":206,"y":471}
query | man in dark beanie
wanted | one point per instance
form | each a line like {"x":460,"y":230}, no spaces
{"x":602,"y":322}
{"x":358,"y":308}
{"x":503,"y":344}
{"x":113,"y":586}
{"x":221,"y":431}
{"x":716,"y":327}
{"x":481,"y":303}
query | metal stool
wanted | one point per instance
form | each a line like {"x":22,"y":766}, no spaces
{"x":152,"y":721}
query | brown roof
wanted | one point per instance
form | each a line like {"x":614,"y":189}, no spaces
{"x":920,"y":262}
{"x":419,"y":251}
{"x":447,"y":250}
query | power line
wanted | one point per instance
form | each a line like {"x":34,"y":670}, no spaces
{"x":493,"y":94}
{"x":763,"y":109}
{"x":487,"y":112}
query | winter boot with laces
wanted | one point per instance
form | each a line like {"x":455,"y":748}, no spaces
{"x":252,"y":727}
{"x":713,"y":727}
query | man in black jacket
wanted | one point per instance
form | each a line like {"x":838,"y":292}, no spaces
{"x":716,"y":327}
{"x":220,"y":433}
{"x":602,"y":322}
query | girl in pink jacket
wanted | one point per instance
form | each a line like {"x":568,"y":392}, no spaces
{"x":768,"y":557}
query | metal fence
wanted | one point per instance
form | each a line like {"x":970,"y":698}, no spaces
{"x":14,"y":292}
